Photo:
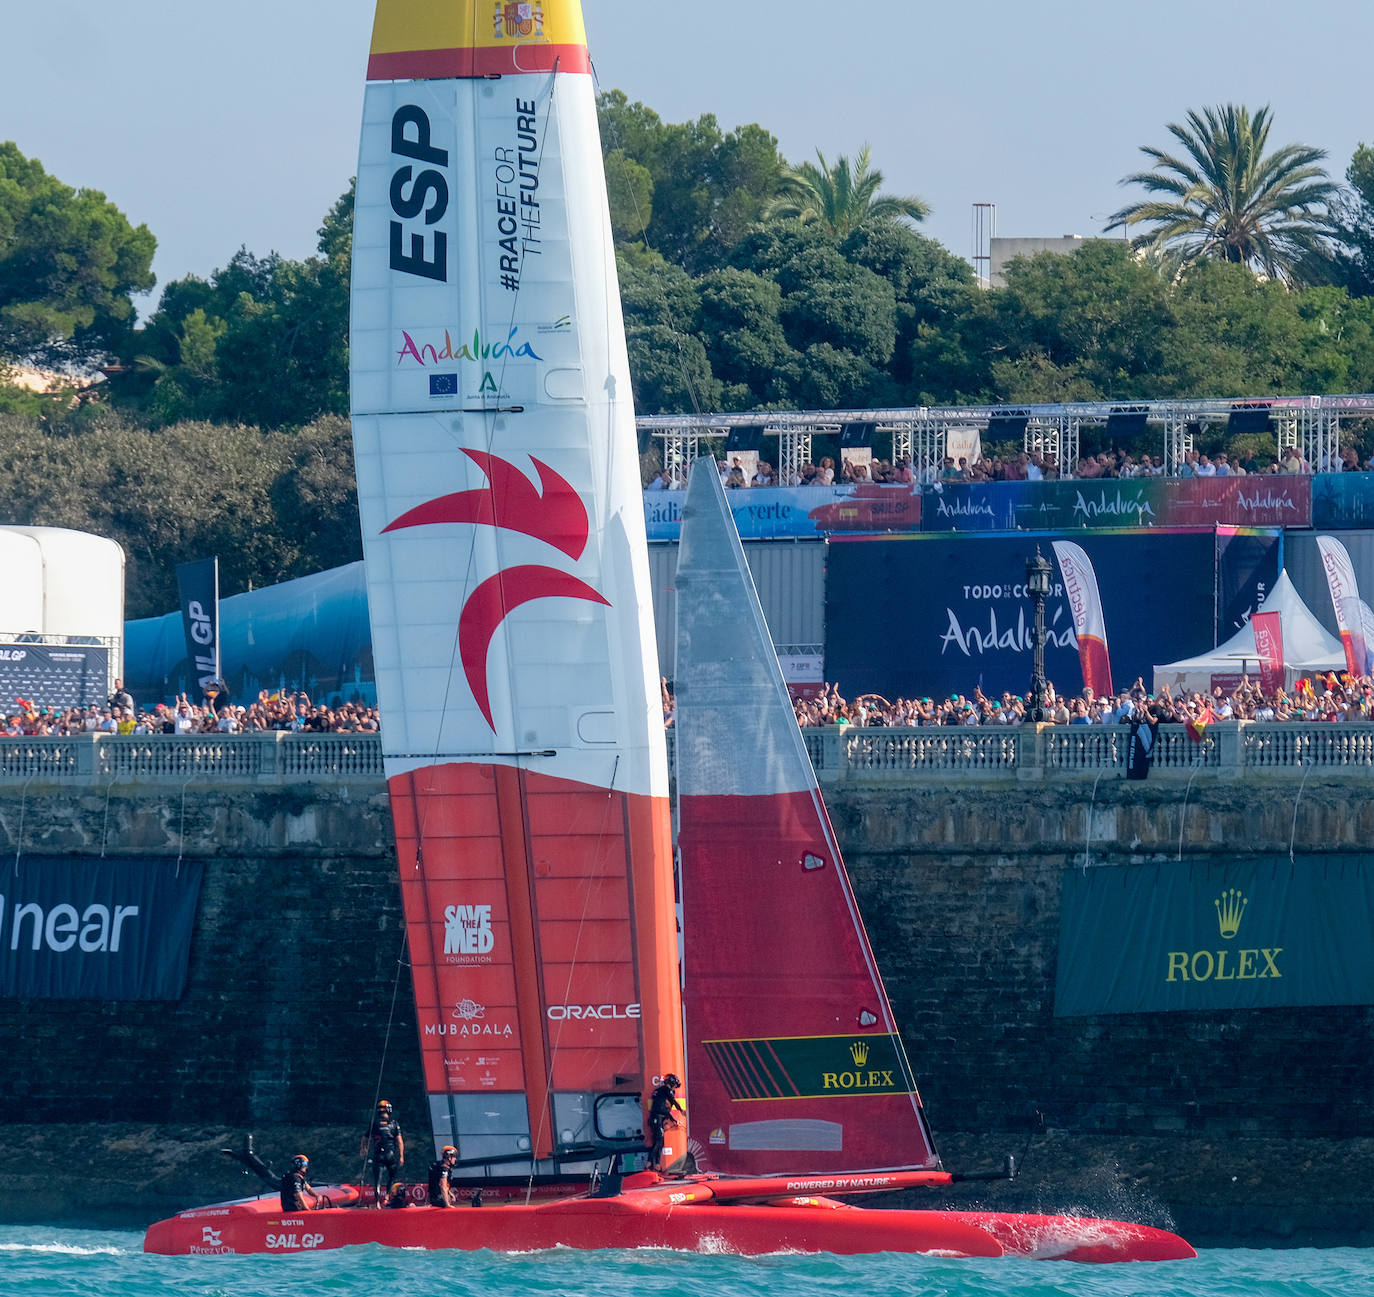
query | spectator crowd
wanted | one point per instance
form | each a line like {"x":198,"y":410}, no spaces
{"x":217,"y":714}
{"x":1025,"y":466}
{"x":1330,"y":697}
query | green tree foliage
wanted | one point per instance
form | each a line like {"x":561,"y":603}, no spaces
{"x":707,"y":187}
{"x":270,"y":505}
{"x":668,"y":363}
{"x":265,"y":341}
{"x":842,"y":197}
{"x":1355,"y":224}
{"x":1089,"y":325}
{"x":1226,"y":199}
{"x":70,"y":263}
{"x":224,"y":434}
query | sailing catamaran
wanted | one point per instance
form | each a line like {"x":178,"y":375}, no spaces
{"x":503,"y":528}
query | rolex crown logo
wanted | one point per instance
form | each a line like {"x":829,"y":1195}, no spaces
{"x":1230,"y":910}
{"x":858,"y":1051}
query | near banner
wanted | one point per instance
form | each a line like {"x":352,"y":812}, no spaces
{"x":77,"y":928}
{"x":1251,"y":934}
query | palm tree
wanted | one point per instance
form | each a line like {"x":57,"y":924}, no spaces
{"x":1226,"y":200}
{"x":842,"y":197}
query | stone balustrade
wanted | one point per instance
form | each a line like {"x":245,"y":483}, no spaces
{"x":851,"y":754}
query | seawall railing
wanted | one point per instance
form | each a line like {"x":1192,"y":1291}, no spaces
{"x":876,"y":755}
{"x":272,"y":757}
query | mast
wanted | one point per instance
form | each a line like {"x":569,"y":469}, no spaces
{"x":507,"y":570}
{"x":793,"y":1054}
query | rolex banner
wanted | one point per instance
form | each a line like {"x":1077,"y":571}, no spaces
{"x":77,"y":928}
{"x":1262,"y":933}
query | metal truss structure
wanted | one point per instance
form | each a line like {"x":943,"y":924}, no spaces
{"x":1308,"y":424}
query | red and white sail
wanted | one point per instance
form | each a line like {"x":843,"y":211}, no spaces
{"x":503,"y":530}
{"x":1345,"y":599}
{"x":794,"y":1059}
{"x":1089,"y":626}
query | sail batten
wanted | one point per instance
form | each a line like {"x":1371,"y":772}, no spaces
{"x":793,"y":1055}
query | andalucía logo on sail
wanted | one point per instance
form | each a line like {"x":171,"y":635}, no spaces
{"x":555,"y":514}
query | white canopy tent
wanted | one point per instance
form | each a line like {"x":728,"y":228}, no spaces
{"x":1307,"y":646}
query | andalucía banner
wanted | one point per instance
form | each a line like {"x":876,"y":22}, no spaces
{"x":1080,"y":588}
{"x":1257,"y":933}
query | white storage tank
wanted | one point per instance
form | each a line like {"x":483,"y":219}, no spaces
{"x":83,"y":585}
{"x":21,"y":584}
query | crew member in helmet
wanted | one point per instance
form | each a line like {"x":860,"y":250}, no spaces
{"x":662,"y":1104}
{"x":385,"y":1145}
{"x":397,"y":1196}
{"x":440,"y":1178}
{"x":296,"y":1188}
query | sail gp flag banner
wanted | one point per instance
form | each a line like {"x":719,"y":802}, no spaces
{"x":1258,"y":933}
{"x":82,"y":929}
{"x":956,"y":615}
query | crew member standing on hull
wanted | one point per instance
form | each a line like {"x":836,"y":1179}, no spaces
{"x":440,"y":1178}
{"x":296,"y":1188}
{"x":386,"y":1146}
{"x":661,"y":1106}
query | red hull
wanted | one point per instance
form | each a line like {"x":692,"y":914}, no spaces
{"x":682,"y":1215}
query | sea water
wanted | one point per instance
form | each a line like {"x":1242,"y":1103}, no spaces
{"x":49,"y":1262}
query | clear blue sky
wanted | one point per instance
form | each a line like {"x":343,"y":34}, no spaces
{"x":226,"y":124}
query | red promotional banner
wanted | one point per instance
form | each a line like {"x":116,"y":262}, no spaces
{"x":1268,"y":628}
{"x":1080,"y":586}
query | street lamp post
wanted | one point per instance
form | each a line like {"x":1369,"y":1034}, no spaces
{"x":1038,"y":572}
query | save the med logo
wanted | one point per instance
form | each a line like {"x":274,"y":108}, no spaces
{"x":467,"y":933}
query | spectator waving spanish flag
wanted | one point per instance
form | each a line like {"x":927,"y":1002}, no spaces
{"x":1197,"y":725}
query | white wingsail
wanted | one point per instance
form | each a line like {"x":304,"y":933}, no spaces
{"x":503,"y":531}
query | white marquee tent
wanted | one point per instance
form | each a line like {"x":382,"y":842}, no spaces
{"x":1307,"y":646}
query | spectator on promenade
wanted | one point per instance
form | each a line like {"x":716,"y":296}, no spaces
{"x":120,"y":698}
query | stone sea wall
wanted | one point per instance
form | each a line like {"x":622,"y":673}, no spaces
{"x":1240,"y":1126}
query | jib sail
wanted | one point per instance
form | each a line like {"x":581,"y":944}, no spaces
{"x":794,"y":1060}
